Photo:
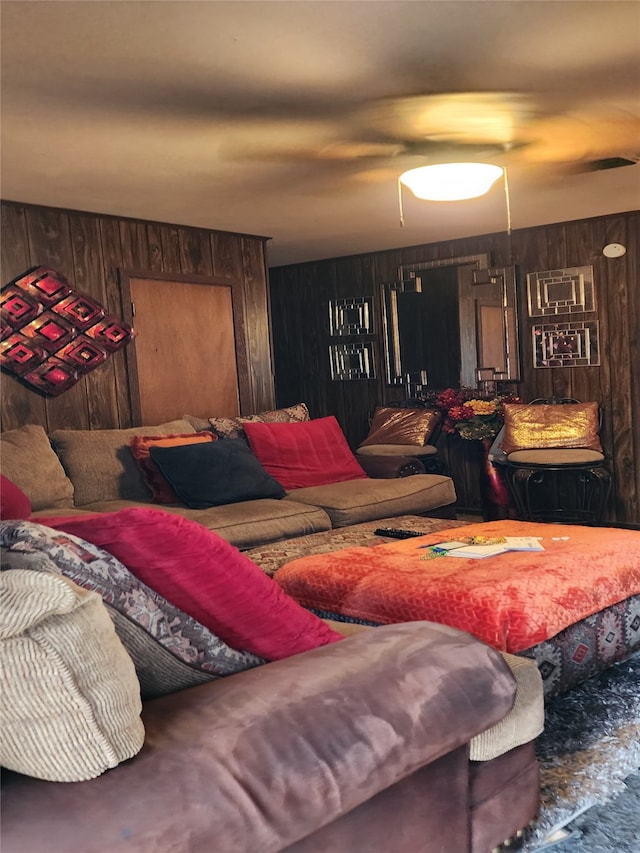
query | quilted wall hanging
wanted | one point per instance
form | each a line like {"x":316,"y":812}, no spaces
{"x":51,"y":335}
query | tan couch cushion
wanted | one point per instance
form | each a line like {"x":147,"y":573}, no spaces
{"x":244,"y":524}
{"x":70,"y":697}
{"x":100,"y":464}
{"x":396,"y":450}
{"x":354,"y":501}
{"x":29,"y":461}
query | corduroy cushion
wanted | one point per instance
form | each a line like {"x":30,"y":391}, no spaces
{"x":207,"y":578}
{"x":523,"y":723}
{"x":156,"y":482}
{"x":29,"y":461}
{"x":547,"y":426}
{"x":391,"y":425}
{"x":13,"y":501}
{"x":205,"y":475}
{"x":298,"y":455}
{"x":70,"y":697}
{"x":100,"y":465}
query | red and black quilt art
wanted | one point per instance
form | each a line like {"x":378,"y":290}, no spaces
{"x":51,"y":335}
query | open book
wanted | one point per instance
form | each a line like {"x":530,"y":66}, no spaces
{"x":460,"y":548}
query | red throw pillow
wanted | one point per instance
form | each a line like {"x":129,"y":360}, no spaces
{"x":156,"y":482}
{"x":310,"y":453}
{"x":14,"y":504}
{"x":206,"y":577}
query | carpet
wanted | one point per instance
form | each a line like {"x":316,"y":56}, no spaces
{"x":589,"y":757}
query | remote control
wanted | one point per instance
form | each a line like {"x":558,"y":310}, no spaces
{"x":396,"y":533}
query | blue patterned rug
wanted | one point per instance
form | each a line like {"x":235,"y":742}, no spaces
{"x":589,"y":757}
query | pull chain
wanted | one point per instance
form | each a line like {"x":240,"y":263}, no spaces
{"x":400,"y":203}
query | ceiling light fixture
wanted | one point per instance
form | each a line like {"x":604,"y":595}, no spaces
{"x":451,"y":181}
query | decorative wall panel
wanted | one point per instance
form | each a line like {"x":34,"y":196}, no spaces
{"x":52,"y":335}
{"x":350,"y":316}
{"x":566,"y":344}
{"x":566,"y":291}
{"x":351,"y":361}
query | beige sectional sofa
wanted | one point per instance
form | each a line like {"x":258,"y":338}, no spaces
{"x":74,"y":471}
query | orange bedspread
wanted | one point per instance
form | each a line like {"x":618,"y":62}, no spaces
{"x":511,"y":601}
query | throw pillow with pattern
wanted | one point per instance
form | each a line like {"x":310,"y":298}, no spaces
{"x":169,"y":648}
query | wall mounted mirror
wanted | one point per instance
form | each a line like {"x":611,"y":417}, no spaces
{"x":451,"y":322}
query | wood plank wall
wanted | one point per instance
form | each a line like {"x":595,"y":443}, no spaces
{"x":91,"y":250}
{"x":300,"y":294}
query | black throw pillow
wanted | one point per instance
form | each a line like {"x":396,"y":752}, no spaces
{"x":215,"y":473}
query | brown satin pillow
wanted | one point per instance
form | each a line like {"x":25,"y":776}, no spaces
{"x":402,"y":426}
{"x":547,"y":425}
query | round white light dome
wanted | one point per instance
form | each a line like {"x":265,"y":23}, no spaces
{"x":451,"y":181}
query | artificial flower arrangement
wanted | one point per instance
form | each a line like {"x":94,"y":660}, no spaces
{"x":465,"y":413}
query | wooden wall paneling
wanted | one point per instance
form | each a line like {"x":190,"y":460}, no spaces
{"x":285,"y":342}
{"x":591,"y":383}
{"x":375,"y":387}
{"x":195,"y":252}
{"x":353,"y":279}
{"x":134,"y":245}
{"x":50,"y":244}
{"x":530,"y":249}
{"x":226,"y":250}
{"x":257,"y":332}
{"x":112,"y":259}
{"x":617,"y":331}
{"x":21,"y":405}
{"x":246,"y":395}
{"x":326,"y":288}
{"x":170,"y":248}
{"x":630,"y":510}
{"x":88,"y":277}
{"x":154,"y":241}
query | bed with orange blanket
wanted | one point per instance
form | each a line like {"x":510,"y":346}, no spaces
{"x":574,"y":607}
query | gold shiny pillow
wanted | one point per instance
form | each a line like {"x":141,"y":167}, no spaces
{"x":402,"y":426}
{"x":547,"y":425}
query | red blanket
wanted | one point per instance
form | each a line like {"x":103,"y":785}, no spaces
{"x":511,"y":601}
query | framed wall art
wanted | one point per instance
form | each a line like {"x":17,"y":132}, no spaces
{"x":566,"y":344}
{"x":565,"y":291}
{"x":350,"y":316}
{"x":352,"y":361}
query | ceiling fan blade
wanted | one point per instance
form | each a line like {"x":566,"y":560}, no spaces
{"x":575,"y":138}
{"x":281,"y":147}
{"x":471,"y":118}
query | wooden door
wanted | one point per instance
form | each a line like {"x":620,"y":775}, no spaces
{"x":185,"y":349}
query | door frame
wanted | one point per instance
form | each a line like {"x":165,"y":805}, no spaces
{"x":237,"y":304}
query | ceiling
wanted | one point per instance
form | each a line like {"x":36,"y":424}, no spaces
{"x":209,"y":113}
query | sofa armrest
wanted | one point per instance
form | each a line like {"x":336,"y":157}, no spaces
{"x":264,"y":758}
{"x":389,"y":467}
